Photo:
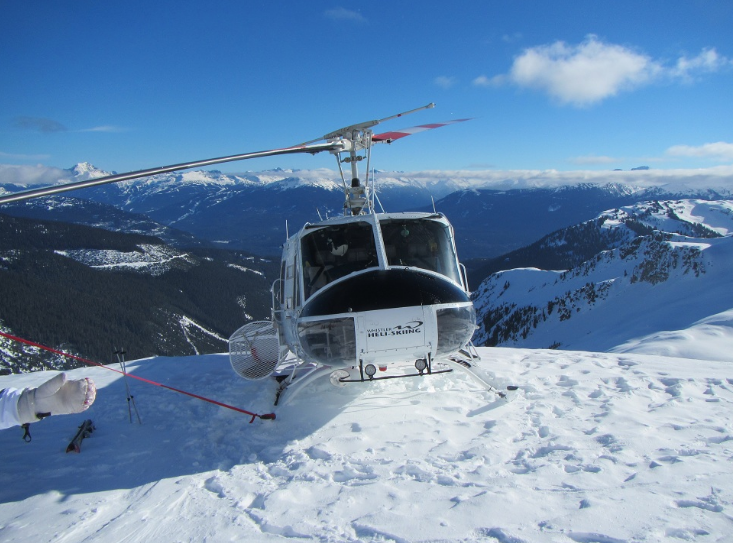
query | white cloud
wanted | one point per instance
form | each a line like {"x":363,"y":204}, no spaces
{"x":511,"y":38}
{"x":583,"y":74}
{"x":496,"y":81}
{"x":717,"y":151}
{"x":445,"y":82}
{"x":104,"y":128}
{"x":587,"y":73}
{"x":39,"y":124}
{"x":343,"y":14}
{"x":31,"y":175}
{"x":706,"y":62}
{"x":45,"y":125}
{"x":19,"y":156}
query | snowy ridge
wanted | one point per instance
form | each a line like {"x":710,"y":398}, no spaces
{"x":244,"y":269}
{"x":442,"y":183}
{"x":653,"y":280}
{"x":85,"y":170}
{"x":716,"y":179}
{"x":150,"y":259}
{"x":595,"y":448}
{"x":189,"y":327}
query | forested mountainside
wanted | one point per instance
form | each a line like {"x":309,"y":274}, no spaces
{"x":89,"y":291}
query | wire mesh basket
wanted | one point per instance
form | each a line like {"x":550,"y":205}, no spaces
{"x":254,"y":350}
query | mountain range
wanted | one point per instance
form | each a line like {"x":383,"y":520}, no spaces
{"x":253,"y":211}
{"x":618,"y":280}
{"x":176,"y":254}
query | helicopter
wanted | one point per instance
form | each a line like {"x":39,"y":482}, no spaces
{"x":362,"y":297}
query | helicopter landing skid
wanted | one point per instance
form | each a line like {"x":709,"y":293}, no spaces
{"x":341,"y":380}
{"x":289,"y":382}
{"x":467,"y":367}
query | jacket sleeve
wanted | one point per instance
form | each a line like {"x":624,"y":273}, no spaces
{"x":9,"y":407}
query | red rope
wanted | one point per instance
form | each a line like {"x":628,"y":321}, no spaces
{"x":266,"y":416}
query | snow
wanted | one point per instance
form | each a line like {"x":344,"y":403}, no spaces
{"x":711,"y":337}
{"x":643,"y":295}
{"x":245,"y":269}
{"x":150,"y":259}
{"x":596,"y":447}
{"x":187,"y":325}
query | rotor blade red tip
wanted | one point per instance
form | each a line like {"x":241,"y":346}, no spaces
{"x":397,"y":134}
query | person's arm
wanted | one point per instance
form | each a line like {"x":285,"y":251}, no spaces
{"x":9,"y":407}
{"x":57,"y":396}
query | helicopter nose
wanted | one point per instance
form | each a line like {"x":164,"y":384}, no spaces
{"x":404,"y":314}
{"x":384,"y":289}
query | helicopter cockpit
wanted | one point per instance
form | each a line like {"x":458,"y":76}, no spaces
{"x":421,"y":243}
{"x":332,"y":252}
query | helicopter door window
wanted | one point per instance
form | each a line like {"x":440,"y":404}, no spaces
{"x":289,"y":286}
{"x":420,"y":243}
{"x":334,"y":252}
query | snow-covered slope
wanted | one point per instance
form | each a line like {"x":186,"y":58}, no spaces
{"x":152,"y":259}
{"x":668,"y":270}
{"x":595,"y":448}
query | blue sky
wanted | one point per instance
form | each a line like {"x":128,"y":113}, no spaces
{"x":564,"y":85}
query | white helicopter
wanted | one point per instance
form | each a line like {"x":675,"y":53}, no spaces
{"x":364,"y":296}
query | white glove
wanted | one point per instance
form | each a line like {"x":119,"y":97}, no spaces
{"x":57,"y":396}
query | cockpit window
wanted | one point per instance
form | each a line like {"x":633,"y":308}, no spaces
{"x":335,"y":251}
{"x":421,"y":243}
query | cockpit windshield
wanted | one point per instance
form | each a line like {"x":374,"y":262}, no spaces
{"x":422,"y":243}
{"x":335,"y":251}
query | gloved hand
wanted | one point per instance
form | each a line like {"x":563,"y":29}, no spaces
{"x":57,"y":396}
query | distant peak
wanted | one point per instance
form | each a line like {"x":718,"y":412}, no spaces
{"x":83,"y":167}
{"x":86,"y":169}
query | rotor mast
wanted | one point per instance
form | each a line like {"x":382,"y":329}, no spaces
{"x":352,"y":139}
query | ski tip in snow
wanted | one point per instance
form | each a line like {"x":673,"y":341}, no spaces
{"x":85,"y":430}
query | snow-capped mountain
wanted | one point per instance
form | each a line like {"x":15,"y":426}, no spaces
{"x":493,"y":212}
{"x":665,"y":267}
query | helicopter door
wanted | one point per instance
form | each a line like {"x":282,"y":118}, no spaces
{"x":289,"y":286}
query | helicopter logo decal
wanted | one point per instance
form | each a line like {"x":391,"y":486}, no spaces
{"x":412,"y":327}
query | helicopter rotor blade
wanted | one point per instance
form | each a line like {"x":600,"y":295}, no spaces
{"x":389,"y":137}
{"x":47,"y":191}
{"x":359,"y":127}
